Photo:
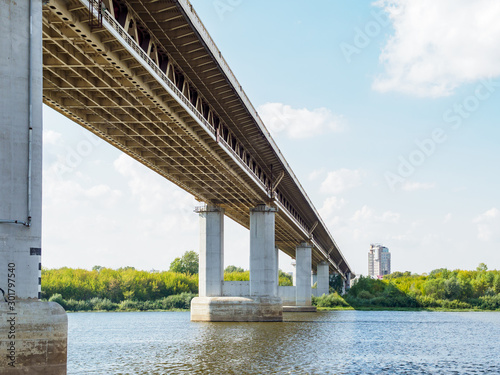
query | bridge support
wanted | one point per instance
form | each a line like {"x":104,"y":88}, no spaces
{"x":323,"y":283}
{"x":347,"y":282}
{"x":303,"y":291}
{"x":262,"y":304}
{"x":211,"y":273}
{"x":33,"y":334}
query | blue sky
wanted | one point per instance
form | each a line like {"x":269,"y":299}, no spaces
{"x":387,"y":112}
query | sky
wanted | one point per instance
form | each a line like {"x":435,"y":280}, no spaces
{"x":387,"y":112}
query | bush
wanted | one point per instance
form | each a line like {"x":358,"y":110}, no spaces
{"x":180,"y":301}
{"x":58,"y":298}
{"x":128,"y":305}
{"x":490,"y":302}
{"x":72,"y":305}
{"x":426,"y":301}
{"x":237,"y":276}
{"x":455,"y":304}
{"x":330,"y":300}
{"x":103,"y":304}
{"x":364,"y":294}
{"x":115,"y":285}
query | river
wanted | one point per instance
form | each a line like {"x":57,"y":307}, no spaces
{"x":337,"y":342}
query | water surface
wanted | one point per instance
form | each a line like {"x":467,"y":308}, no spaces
{"x":343,"y":342}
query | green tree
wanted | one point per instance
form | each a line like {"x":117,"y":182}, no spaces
{"x":496,"y":284}
{"x":237,"y":276}
{"x":336,"y":283}
{"x":482,"y":267}
{"x":230,"y":269}
{"x":285,"y":279}
{"x":188,"y":263}
{"x":452,"y":289}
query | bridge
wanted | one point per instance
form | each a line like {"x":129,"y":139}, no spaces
{"x":146,"y":77}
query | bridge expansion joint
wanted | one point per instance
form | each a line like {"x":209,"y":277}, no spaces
{"x":207,"y":208}
{"x":264,"y":208}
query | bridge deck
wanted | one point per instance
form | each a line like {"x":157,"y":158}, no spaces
{"x":151,"y":82}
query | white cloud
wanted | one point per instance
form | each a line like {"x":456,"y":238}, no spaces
{"x":412,"y":186}
{"x":51,"y":137}
{"x":331,"y":205}
{"x":367,"y":214}
{"x":363,"y":214}
{"x":447,"y":218}
{"x":439,"y":45}
{"x":116,"y":218}
{"x":299,"y":123}
{"x":316,"y":174}
{"x":102,"y":190}
{"x":65,"y":194}
{"x":341,"y":180}
{"x":488,"y":225}
{"x":389,"y":217}
{"x":152,"y":192}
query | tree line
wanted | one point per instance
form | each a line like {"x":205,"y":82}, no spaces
{"x":441,"y":288}
{"x":129,"y":289}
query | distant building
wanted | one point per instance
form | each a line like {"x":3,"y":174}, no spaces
{"x":379,"y":261}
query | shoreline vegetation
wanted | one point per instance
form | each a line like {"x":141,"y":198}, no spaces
{"x":128,"y":289}
{"x":441,"y":290}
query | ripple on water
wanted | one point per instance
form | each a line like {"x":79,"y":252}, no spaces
{"x":344,"y":342}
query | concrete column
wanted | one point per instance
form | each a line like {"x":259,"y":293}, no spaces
{"x":263,"y":304}
{"x":314,"y":277}
{"x":34,"y":333}
{"x":303,"y":278}
{"x":263,"y":281}
{"x":323,"y":279}
{"x":277,"y":268}
{"x":347,"y":284}
{"x":294,"y":273}
{"x":211,"y":273}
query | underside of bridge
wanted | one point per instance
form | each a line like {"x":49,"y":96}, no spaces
{"x":147,"y":78}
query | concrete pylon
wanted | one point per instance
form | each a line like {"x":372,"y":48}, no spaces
{"x":323,"y":285}
{"x":303,"y":267}
{"x":276,"y":269}
{"x":303,"y":291}
{"x":211,"y":272}
{"x":34,"y":333}
{"x":262,"y":304}
{"x":347,"y":282}
{"x":263,"y":280}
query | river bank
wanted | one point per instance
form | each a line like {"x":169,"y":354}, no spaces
{"x":181,"y":302}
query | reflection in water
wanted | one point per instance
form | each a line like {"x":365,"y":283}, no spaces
{"x":345,"y":342}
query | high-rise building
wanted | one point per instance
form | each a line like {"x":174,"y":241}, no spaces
{"x":379,"y":261}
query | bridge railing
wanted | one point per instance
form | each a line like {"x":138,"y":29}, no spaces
{"x":150,"y":62}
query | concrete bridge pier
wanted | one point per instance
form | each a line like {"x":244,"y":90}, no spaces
{"x":262,"y":303}
{"x":303,"y":291}
{"x":264,"y":263}
{"x":347,"y":282}
{"x":323,"y":283}
{"x":211,"y":273}
{"x":33,"y":334}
